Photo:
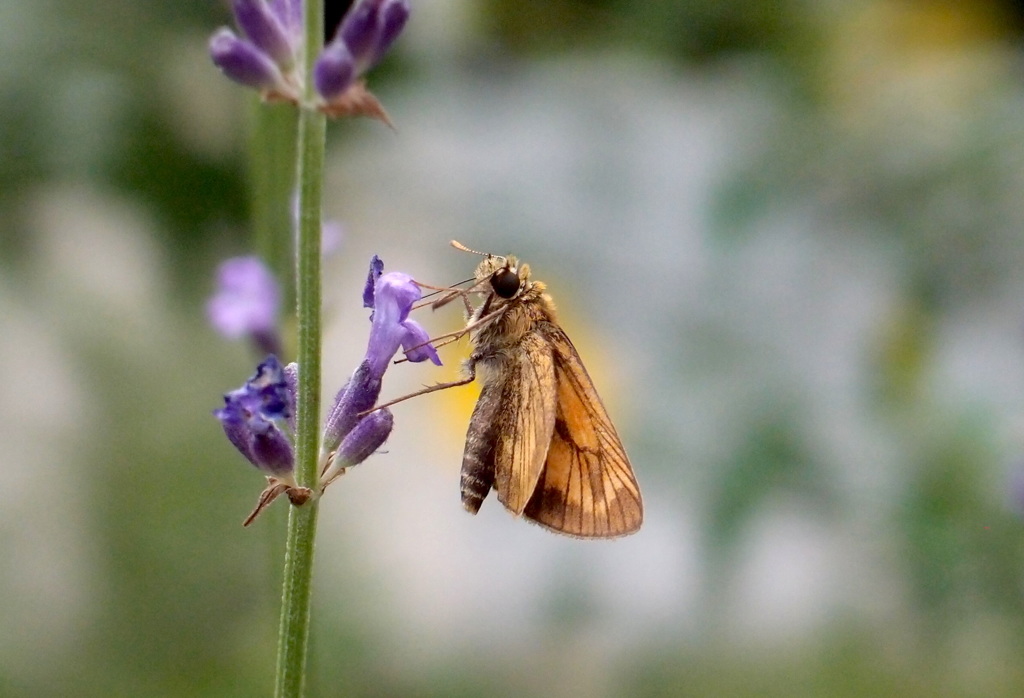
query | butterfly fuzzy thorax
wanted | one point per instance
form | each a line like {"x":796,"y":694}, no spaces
{"x":511,"y":317}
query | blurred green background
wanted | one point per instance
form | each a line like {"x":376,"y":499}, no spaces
{"x":786,"y":238}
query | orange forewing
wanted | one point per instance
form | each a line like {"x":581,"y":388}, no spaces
{"x":587,"y":488}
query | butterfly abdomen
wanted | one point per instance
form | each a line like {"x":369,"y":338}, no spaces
{"x":478,"y":458}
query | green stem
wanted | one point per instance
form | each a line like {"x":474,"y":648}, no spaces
{"x":293,"y":639}
{"x":271,"y":183}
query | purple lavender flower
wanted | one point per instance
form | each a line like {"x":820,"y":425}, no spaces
{"x":391,"y":296}
{"x":246,"y":303}
{"x":352,"y":433}
{"x":365,"y":35}
{"x":265,"y":56}
{"x":249,"y":418}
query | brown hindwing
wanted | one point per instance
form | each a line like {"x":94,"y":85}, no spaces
{"x":587,"y":487}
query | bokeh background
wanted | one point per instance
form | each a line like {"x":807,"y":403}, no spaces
{"x":787,"y":238}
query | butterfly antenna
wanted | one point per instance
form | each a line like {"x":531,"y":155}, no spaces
{"x":459,"y":246}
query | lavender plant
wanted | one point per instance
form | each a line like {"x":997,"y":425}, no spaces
{"x":253,"y":414}
{"x":274,"y":418}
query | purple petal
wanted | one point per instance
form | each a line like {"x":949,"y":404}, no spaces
{"x":246,"y":300}
{"x":264,"y":397}
{"x":334,"y":71}
{"x":242,"y":62}
{"x":368,"y":435}
{"x":270,"y":385}
{"x":242,"y":408}
{"x":394,"y":295}
{"x":417,"y":343}
{"x":265,"y":30}
{"x":236,"y":429}
{"x":398,"y":291}
{"x":376,"y":269}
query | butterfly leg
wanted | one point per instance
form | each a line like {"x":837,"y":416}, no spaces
{"x":470,"y":367}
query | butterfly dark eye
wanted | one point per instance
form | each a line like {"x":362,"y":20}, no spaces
{"x":505,"y":283}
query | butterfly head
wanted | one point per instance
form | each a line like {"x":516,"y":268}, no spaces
{"x":508,"y":279}
{"x":505,"y":275}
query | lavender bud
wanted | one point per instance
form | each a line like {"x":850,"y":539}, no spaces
{"x":394,"y":15}
{"x":359,"y":395}
{"x":334,"y":71}
{"x":359,"y":30}
{"x":368,"y":435}
{"x":265,"y":30}
{"x":242,"y":62}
